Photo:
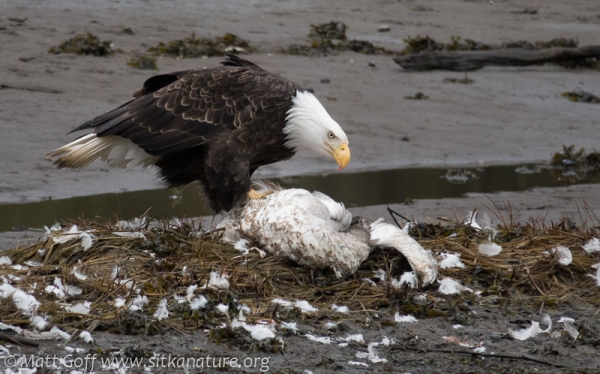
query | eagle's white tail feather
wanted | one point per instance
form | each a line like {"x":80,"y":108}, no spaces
{"x":114,"y":150}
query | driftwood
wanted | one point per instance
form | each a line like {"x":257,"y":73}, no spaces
{"x":473,"y":60}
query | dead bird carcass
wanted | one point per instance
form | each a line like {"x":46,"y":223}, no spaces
{"x":318,"y":232}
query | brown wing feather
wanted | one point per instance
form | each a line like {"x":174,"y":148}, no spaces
{"x":194,"y":106}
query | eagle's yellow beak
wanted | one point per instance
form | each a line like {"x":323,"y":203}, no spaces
{"x":341,"y":154}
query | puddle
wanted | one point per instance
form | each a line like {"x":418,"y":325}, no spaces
{"x":354,"y":189}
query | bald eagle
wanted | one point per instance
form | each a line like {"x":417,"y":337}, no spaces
{"x":315,"y":231}
{"x":213,"y":125}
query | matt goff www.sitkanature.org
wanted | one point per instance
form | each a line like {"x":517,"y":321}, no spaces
{"x":91,"y":362}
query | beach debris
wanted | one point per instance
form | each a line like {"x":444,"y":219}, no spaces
{"x":417,"y":96}
{"x":580,"y":96}
{"x":143,"y":62}
{"x":459,"y":176}
{"x":330,"y":37}
{"x":192,"y":46}
{"x":533,"y":330}
{"x":85,"y":44}
{"x":562,"y":253}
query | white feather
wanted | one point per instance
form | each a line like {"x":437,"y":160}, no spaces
{"x":112,"y":149}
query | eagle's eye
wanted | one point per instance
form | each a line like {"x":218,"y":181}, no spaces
{"x":331,"y":135}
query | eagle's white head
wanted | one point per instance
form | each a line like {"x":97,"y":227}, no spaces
{"x":309,"y":126}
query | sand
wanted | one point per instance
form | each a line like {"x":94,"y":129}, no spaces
{"x":507,"y":116}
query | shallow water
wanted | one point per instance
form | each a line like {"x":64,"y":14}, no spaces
{"x":354,"y":189}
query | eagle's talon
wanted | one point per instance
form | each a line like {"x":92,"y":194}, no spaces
{"x":253,"y":194}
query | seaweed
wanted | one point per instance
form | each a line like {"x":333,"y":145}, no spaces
{"x":330,"y":37}
{"x":85,"y":44}
{"x":192,"y":46}
{"x":144,"y":62}
{"x":573,"y":165}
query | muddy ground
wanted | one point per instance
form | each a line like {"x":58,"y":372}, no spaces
{"x":507,"y":116}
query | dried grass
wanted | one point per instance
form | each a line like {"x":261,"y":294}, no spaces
{"x":170,"y":260}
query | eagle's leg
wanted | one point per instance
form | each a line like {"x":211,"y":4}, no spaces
{"x":253,"y":194}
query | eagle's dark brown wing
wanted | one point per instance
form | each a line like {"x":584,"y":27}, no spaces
{"x":179,"y":111}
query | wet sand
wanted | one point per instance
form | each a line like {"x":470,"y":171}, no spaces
{"x":507,"y":116}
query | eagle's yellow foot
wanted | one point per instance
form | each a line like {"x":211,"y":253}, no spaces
{"x":253,"y":194}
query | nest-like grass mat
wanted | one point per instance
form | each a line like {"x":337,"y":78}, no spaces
{"x":167,"y":260}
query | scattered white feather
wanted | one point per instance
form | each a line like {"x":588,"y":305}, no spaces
{"x":596,"y":276}
{"x":80,"y":308}
{"x":76,"y":350}
{"x":162,"y":312}
{"x":242,"y":246}
{"x":479,"y":349}
{"x":371,"y":354}
{"x":130,"y":234}
{"x":457,"y":326}
{"x":489,"y":249}
{"x":218,"y":281}
{"x":420,"y":298}
{"x":139,"y":302}
{"x":86,"y":337}
{"x":19,"y":267}
{"x":358,"y":363}
{"x":531,"y":331}
{"x":290,"y":326}
{"x":354,"y":338}
{"x":134,"y":224}
{"x":319,"y":339}
{"x":471,"y":220}
{"x":5,"y":260}
{"x":369,"y":281}
{"x":60,"y":333}
{"x":119,"y":302}
{"x":38,"y":322}
{"x":305,"y":306}
{"x":25,"y":302}
{"x":570,"y":328}
{"x":449,"y":286}
{"x":592,"y":246}
{"x":562,"y":253}
{"x":223,"y":309}
{"x":380,"y":274}
{"x":340,"y":308}
{"x":451,"y":260}
{"x":198,"y":302}
{"x":409,"y":318}
{"x":78,"y":274}
{"x":61,"y":289}
{"x":258,"y":331}
{"x":86,"y":240}
{"x":282,"y":302}
{"x":408,"y":278}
